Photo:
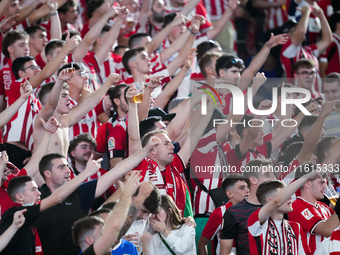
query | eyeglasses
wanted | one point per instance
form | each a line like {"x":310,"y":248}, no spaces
{"x":33,"y":67}
{"x":233,"y":61}
{"x":307,"y":74}
{"x":83,"y":74}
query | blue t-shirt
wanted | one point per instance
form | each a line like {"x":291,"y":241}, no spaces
{"x":125,"y":248}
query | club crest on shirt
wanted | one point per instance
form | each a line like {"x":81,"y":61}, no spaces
{"x":111,"y":143}
{"x":307,"y":214}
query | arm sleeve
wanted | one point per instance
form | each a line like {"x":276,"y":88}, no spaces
{"x":184,"y":242}
{"x":229,"y":226}
{"x":214,"y":222}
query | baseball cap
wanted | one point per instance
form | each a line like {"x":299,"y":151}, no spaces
{"x":159,"y":112}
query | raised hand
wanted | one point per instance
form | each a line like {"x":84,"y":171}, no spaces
{"x":25,"y":89}
{"x":51,"y":126}
{"x":188,"y":61}
{"x":52,"y":5}
{"x":180,"y":19}
{"x":7,"y":23}
{"x":153,"y":143}
{"x":132,"y":182}
{"x":19,"y":218}
{"x":66,"y":74}
{"x":93,"y":166}
{"x":265,"y":105}
{"x":71,"y":43}
{"x":276,"y":40}
{"x":131,"y":93}
{"x":157,"y":224}
{"x":259,"y":79}
{"x":327,"y":108}
{"x":154,"y":82}
{"x":114,"y":78}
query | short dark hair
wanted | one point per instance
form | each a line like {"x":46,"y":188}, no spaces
{"x":31,"y":30}
{"x":324,"y":145}
{"x":307,"y":122}
{"x":93,"y":5}
{"x":46,"y":162}
{"x":230,"y":181}
{"x":303,"y":63}
{"x":10,"y":38}
{"x":17,"y":184}
{"x":71,"y":32}
{"x":81,"y":228}
{"x":153,"y":201}
{"x":332,"y":77}
{"x":227,"y":61}
{"x":136,"y":39}
{"x":84,"y":137}
{"x":266,"y":188}
{"x":65,"y":7}
{"x":291,"y":152}
{"x":116,"y":92}
{"x":240,"y":127}
{"x":204,"y":47}
{"x":117,"y":48}
{"x":52,"y":45}
{"x":75,"y":65}
{"x":19,"y":64}
{"x":169,"y":18}
{"x":253,"y":168}
{"x":305,"y":169}
{"x":47,"y":88}
{"x":129,"y":54}
{"x":336,"y":5}
{"x":206,"y":60}
{"x":148,"y":124}
{"x":334,"y":20}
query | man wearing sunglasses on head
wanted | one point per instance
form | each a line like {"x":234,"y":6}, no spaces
{"x":231,"y":69}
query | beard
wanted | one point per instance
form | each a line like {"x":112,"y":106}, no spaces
{"x":158,"y":16}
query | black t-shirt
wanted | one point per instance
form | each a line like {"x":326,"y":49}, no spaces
{"x":23,"y":242}
{"x":89,"y":251}
{"x":55,"y":224}
{"x":235,"y":224}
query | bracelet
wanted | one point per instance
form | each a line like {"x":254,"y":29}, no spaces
{"x":189,"y":29}
{"x":54,"y":13}
{"x":164,"y":231}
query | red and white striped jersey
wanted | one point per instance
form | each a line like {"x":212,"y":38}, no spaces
{"x":113,"y":64}
{"x":214,"y":225}
{"x":20,"y":127}
{"x":215,"y":8}
{"x":89,"y":123}
{"x":6,"y":78}
{"x":332,"y":56}
{"x":291,"y":53}
{"x":330,"y":245}
{"x":274,"y":17}
{"x":309,"y":216}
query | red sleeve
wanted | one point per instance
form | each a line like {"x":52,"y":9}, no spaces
{"x":11,"y":176}
{"x":100,"y":107}
{"x":117,"y":142}
{"x":200,"y":9}
{"x":40,"y":62}
{"x":214,"y":221}
{"x":101,"y":140}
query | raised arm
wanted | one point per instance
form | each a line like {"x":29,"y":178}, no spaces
{"x":25,"y":12}
{"x":52,"y":66}
{"x":133,"y":126}
{"x":44,"y":11}
{"x":301,"y":28}
{"x":91,"y":36}
{"x":326,"y":33}
{"x":283,"y":195}
{"x":110,"y":37}
{"x":311,"y":142}
{"x":172,"y":86}
{"x":189,"y":6}
{"x":7,"y":114}
{"x":60,"y":194}
{"x":124,"y":166}
{"x":89,"y":102}
{"x":4,"y":4}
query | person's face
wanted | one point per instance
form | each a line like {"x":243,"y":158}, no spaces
{"x":306,"y":77}
{"x":331,"y":90}
{"x":39,"y":40}
{"x":78,"y":79}
{"x":212,"y":66}
{"x":144,"y":41}
{"x":239,"y":191}
{"x":231,"y":75}
{"x":143,"y":213}
{"x":259,"y":139}
{"x":286,"y":206}
{"x":177,"y":31}
{"x":142,"y":62}
{"x":162,"y":215}
{"x":30,"y":69}
{"x":64,"y":105}
{"x":318,"y":187}
{"x":31,"y":194}
{"x":158,"y":10}
{"x":82,"y":152}
{"x":60,"y":173}
{"x":265,"y":175}
{"x":165,"y":150}
{"x":132,"y":5}
{"x":71,"y":15}
{"x":122,"y":103}
{"x":13,"y":8}
{"x":19,"y":49}
{"x":54,"y":54}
